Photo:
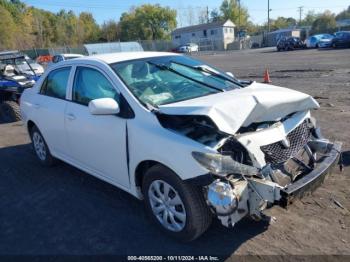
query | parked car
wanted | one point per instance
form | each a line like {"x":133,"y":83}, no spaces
{"x":187,"y":138}
{"x":187,"y":48}
{"x":64,"y":57}
{"x":290,"y":43}
{"x":24,"y":64}
{"x":13,"y":80}
{"x":341,"y":39}
{"x":315,"y":40}
{"x":326,"y":42}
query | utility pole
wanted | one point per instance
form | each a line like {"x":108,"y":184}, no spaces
{"x":300,"y":8}
{"x":268,"y":16}
{"x":239,"y":19}
{"x":268,"y":22}
{"x":208,"y":14}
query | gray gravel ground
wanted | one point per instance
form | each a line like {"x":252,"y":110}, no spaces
{"x":62,"y":210}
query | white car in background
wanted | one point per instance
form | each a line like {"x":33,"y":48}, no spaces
{"x":190,"y":140}
{"x":188,"y":48}
{"x":64,"y":57}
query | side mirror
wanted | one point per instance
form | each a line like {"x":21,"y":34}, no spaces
{"x":104,"y":106}
{"x":230,"y":74}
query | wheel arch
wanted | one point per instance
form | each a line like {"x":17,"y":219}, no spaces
{"x":143,"y":167}
{"x":30,"y":125}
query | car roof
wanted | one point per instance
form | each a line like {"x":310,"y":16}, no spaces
{"x":71,"y":55}
{"x":124,"y":56}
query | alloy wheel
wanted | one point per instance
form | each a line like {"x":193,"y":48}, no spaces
{"x":39,"y":146}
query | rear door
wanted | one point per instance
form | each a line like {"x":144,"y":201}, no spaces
{"x":49,"y":107}
{"x":97,"y":142}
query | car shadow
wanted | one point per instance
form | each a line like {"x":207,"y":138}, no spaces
{"x":62,"y":210}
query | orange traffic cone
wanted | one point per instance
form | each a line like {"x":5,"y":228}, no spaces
{"x":267,"y":77}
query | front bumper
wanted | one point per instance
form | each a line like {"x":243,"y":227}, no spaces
{"x":311,"y":181}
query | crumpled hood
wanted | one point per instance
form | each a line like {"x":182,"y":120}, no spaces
{"x":242,"y":107}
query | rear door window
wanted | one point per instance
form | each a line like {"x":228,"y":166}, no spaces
{"x":55,"y":84}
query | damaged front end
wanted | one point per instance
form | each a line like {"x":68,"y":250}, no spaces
{"x":262,"y":164}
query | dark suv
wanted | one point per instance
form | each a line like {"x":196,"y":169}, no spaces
{"x":290,"y":43}
{"x":341,"y":39}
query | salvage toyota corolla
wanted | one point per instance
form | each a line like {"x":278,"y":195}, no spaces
{"x":192,"y":141}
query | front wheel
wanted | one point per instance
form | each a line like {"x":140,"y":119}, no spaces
{"x":177,"y":207}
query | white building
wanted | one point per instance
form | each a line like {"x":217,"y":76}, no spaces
{"x":208,"y":36}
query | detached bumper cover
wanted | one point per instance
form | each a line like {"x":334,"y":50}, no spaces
{"x":312,"y":180}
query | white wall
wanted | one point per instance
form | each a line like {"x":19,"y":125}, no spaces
{"x":212,"y":33}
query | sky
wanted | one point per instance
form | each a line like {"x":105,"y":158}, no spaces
{"x":104,"y":10}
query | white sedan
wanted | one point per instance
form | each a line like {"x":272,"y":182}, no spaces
{"x":189,"y":139}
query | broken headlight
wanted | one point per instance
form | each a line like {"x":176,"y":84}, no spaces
{"x":223,"y":165}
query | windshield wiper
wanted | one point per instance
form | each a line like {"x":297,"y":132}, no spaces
{"x":165,"y":67}
{"x":213,"y":72}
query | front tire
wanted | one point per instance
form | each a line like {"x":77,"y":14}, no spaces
{"x":40,"y":147}
{"x":178,"y":208}
{"x":10,"y":111}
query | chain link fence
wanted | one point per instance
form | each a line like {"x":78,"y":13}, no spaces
{"x":205,"y":45}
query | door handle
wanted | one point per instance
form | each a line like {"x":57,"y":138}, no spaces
{"x":71,"y":116}
{"x":36,"y":106}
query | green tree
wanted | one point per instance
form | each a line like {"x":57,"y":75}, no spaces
{"x":88,"y":30}
{"x":325,"y":23}
{"x":310,"y":18}
{"x":148,"y":22}
{"x":110,"y":31}
{"x":283,"y":22}
{"x":7,"y":29}
{"x":215,"y":15}
{"x":230,"y":10}
{"x":344,"y":14}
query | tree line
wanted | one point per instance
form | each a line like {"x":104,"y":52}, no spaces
{"x":324,"y":22}
{"x":24,"y":27}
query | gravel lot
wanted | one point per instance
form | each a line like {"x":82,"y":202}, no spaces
{"x":62,"y":210}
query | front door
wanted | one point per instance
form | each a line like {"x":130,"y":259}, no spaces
{"x":97,"y":142}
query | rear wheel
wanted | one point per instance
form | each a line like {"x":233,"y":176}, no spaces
{"x":10,"y":111}
{"x":178,"y":208}
{"x":40,"y":147}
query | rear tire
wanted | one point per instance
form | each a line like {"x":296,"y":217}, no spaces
{"x":10,"y":111}
{"x":40,"y":148}
{"x":178,"y":208}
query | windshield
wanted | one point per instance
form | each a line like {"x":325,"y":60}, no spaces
{"x":326,"y":36}
{"x":169,"y":79}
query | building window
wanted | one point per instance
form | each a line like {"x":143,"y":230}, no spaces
{"x":193,"y":34}
{"x":226,"y":30}
{"x":205,"y":33}
{"x":231,"y":30}
{"x":213,"y":32}
{"x":177,"y":36}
